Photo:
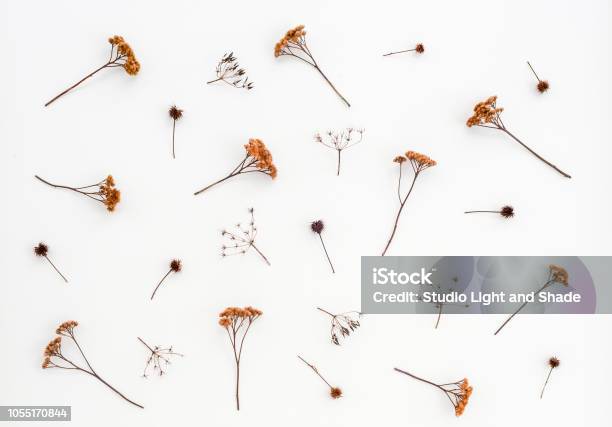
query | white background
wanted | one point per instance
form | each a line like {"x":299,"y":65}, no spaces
{"x":118,"y":124}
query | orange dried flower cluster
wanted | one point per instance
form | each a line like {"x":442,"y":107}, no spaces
{"x":295,"y":35}
{"x":335,"y":392}
{"x":463,"y":397}
{"x":399,"y":159}
{"x":257,"y":149}
{"x":559,"y":274}
{"x":54,"y":348}
{"x":110,"y":195}
{"x":67,"y":327}
{"x":131,"y":65}
{"x":231,"y":314}
{"x":485,"y":112}
{"x":420,"y":159}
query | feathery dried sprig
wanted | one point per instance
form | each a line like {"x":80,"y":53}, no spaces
{"x":175,"y":114}
{"x":334,"y":392}
{"x":175,"y":266}
{"x":258,"y":159}
{"x":54,"y":358}
{"x":542,"y":85}
{"x":242,"y":239}
{"x":294,"y":44}
{"x":103,"y":191}
{"x":457,"y":392}
{"x":317,"y":228}
{"x":237,"y":321}
{"x":419,"y":48}
{"x":440,"y":304}
{"x":342,"y":324}
{"x":42,"y":250}
{"x":229,"y":71}
{"x":488,"y":115}
{"x":121,"y":55}
{"x":340,"y":140}
{"x":159,"y":358}
{"x":553,"y":363}
{"x":419,"y":163}
{"x":556,"y":274}
{"x":506,"y":211}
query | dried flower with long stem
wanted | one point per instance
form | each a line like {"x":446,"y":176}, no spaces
{"x":342,"y":324}
{"x":317,"y":228}
{"x":121,"y":55}
{"x":294,"y":44}
{"x":553,"y":363}
{"x":242,"y":239}
{"x":175,"y":114}
{"x":42,"y":250}
{"x":556,"y":274}
{"x":257,"y":159}
{"x":237,"y":321}
{"x":340,"y":141}
{"x":334,"y":392}
{"x":55,"y":358}
{"x":543,"y":85}
{"x":439,"y":305}
{"x":419,"y":48}
{"x":229,"y":71}
{"x":505,"y":211}
{"x":419,"y":163}
{"x":175,"y":267}
{"x":488,"y":115}
{"x":457,"y":392}
{"x":103,"y":191}
{"x":159,"y":358}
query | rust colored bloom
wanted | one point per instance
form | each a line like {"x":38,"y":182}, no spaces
{"x":553,"y":363}
{"x":542,"y":84}
{"x":334,"y":392}
{"x":103,"y":191}
{"x":419,"y":48}
{"x":175,"y":267}
{"x":505,"y":211}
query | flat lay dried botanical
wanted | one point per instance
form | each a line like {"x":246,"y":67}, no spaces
{"x":334,"y":392}
{"x":175,"y":114}
{"x":553,"y":363}
{"x":159,"y":358}
{"x":228,"y":71}
{"x":103,"y":191}
{"x":42,"y":250}
{"x":419,"y":48}
{"x":542,"y":85}
{"x":175,"y":267}
{"x":342,"y":324}
{"x":242,"y":239}
{"x":505,"y":211}
{"x":340,"y":141}
{"x":317,"y":227}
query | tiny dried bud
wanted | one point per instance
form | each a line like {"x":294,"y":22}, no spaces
{"x":419,"y":48}
{"x":41,"y":249}
{"x":317,"y":226}
{"x":175,"y":113}
{"x":507,"y":212}
{"x":175,"y":265}
{"x":543,"y":86}
{"x":553,"y":362}
{"x":335,"y":392}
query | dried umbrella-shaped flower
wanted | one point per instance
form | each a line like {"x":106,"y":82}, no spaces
{"x":54,"y":358}
{"x":553,"y":362}
{"x":487,"y":115}
{"x":458,"y":392}
{"x":505,"y":211}
{"x":237,"y":321}
{"x":175,"y":267}
{"x":419,"y":48}
{"x":258,"y":159}
{"x":159,"y":358}
{"x":175,"y":114}
{"x":228,"y":71}
{"x":242,"y":239}
{"x":121,"y":55}
{"x":556,"y":274}
{"x":334,"y":392}
{"x":317,"y":228}
{"x":103,"y":191}
{"x":342,"y":324}
{"x":543,"y":85}
{"x":340,"y":140}
{"x":294,"y":44}
{"x":419,"y":163}
{"x":441,"y":304}
{"x":43,"y":250}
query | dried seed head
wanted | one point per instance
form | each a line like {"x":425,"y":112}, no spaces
{"x":543,"y":86}
{"x":559,"y":274}
{"x":317,"y":226}
{"x":485,"y":112}
{"x":175,"y":113}
{"x":399,"y":159}
{"x":335,"y":392}
{"x":41,"y":249}
{"x":131,"y":65}
{"x":553,"y":362}
{"x":257,"y":149}
{"x":419,"y":48}
{"x":294,"y":35}
{"x":507,"y":212}
{"x":175,"y":265}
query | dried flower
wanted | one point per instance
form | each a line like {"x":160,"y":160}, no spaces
{"x":334,"y":392}
{"x":317,"y":228}
{"x":237,"y":321}
{"x":440,"y":303}
{"x":419,"y":48}
{"x":43,"y":250}
{"x":340,"y":140}
{"x":258,"y":159}
{"x":487,"y":115}
{"x":103,"y":191}
{"x":159,"y":358}
{"x":542,"y":84}
{"x":121,"y":55}
{"x":553,"y":363}
{"x":556,"y":274}
{"x":175,"y":267}
{"x":505,"y":211}
{"x":240,"y":241}
{"x":419,"y":163}
{"x":293,"y":44}
{"x":175,"y":114}
{"x":342,"y":324}
{"x":229,"y":71}
{"x":458,"y":392}
{"x":54,"y":358}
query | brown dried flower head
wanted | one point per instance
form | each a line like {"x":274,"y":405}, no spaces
{"x":257,"y":149}
{"x":131,"y":65}
{"x":295,"y":35}
{"x":463,"y":397}
{"x":485,"y":112}
{"x":399,"y":159}
{"x":317,"y":226}
{"x":232,"y":314}
{"x":553,"y":362}
{"x":419,"y":48}
{"x":176,"y":265}
{"x":175,"y":113}
{"x":110,"y":195}
{"x":507,"y":212}
{"x":53,"y":348}
{"x":335,"y":392}
{"x":420,"y":161}
{"x":67,"y":328}
{"x":543,"y":86}
{"x":41,"y":249}
{"x":559,"y":274}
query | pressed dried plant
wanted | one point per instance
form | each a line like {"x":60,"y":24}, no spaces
{"x":439,"y":305}
{"x":457,"y":392}
{"x":553,"y":363}
{"x":334,"y":392}
{"x":342,"y":324}
{"x":419,"y":48}
{"x":242,"y":239}
{"x":175,"y":266}
{"x":175,"y":114}
{"x":257,"y":159}
{"x":229,"y":71}
{"x":340,"y":141}
{"x":556,"y":275}
{"x":294,"y":44}
{"x":55,"y":358}
{"x":488,"y":115}
{"x":505,"y":211}
{"x":103,"y":191}
{"x":42,"y":250}
{"x":542,"y":85}
{"x":317,"y":227}
{"x":419,"y":163}
{"x":237,"y":321}
{"x":159,"y":358}
{"x":121,"y":55}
